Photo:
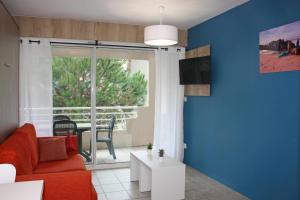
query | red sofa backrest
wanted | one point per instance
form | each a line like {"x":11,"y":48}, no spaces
{"x":29,"y":132}
{"x":21,"y":149}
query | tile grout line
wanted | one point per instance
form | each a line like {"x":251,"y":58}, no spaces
{"x":119,"y":182}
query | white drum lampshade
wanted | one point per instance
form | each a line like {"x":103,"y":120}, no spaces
{"x":161,"y":35}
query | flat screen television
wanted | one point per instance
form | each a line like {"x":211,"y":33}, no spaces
{"x":194,"y":71}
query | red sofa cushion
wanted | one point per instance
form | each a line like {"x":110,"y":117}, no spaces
{"x":8,"y":157}
{"x":16,"y":143}
{"x":75,"y":185}
{"x":52,"y":149}
{"x":71,"y":144}
{"x":74,"y":162}
{"x":29,"y":131}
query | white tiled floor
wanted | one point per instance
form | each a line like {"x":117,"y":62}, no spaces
{"x":115,"y":185}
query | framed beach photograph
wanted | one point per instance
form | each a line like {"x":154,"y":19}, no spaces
{"x":280,"y":49}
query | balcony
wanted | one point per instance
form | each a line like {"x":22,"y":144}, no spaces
{"x":133,"y":128}
{"x":82,"y":115}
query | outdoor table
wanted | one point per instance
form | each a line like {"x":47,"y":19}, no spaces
{"x":81,"y":128}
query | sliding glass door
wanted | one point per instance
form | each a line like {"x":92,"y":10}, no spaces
{"x":109,"y":94}
{"x":124,"y":87}
{"x":72,"y":80}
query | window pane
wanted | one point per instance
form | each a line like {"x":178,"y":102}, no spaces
{"x":71,"y":79}
{"x":122,"y":87}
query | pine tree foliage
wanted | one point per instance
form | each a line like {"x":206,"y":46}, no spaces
{"x":115,"y":85}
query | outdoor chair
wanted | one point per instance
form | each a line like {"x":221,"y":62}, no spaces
{"x":109,"y":138}
{"x":64,"y":128}
{"x":60,"y":117}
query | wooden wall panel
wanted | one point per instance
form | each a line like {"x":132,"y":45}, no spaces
{"x":84,"y":30}
{"x":182,"y":37}
{"x":40,"y":27}
{"x":197,"y":90}
{"x":140,"y":36}
{"x":81,"y":30}
{"x":43,"y":27}
{"x":198,"y":52}
{"x":63,"y":32}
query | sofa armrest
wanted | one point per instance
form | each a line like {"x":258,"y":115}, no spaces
{"x":74,"y":185}
{"x":71,"y":143}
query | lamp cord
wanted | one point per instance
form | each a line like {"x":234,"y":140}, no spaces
{"x":161,"y":10}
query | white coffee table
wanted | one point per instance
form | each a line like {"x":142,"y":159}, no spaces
{"x":27,"y":190}
{"x":165,"y":179}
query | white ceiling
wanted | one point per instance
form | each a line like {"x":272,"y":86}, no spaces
{"x":181,"y":13}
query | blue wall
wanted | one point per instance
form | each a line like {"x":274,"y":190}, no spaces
{"x":246,"y":135}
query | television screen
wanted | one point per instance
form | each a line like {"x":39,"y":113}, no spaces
{"x":195,"y":71}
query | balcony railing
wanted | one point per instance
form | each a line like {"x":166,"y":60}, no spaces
{"x":82,"y":115}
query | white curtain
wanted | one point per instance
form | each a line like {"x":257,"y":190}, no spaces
{"x":36,"y":84}
{"x":169,"y":99}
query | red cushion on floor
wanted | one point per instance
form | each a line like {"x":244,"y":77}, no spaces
{"x":74,"y":162}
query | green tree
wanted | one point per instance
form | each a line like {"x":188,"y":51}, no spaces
{"x":115,"y":85}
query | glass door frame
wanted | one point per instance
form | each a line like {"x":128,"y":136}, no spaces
{"x":93,"y":106}
{"x":71,"y":43}
{"x":92,"y":68}
{"x":110,"y":53}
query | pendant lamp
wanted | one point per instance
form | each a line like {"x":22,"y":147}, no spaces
{"x":161,"y":35}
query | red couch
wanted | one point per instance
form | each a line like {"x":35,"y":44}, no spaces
{"x":63,"y":179}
